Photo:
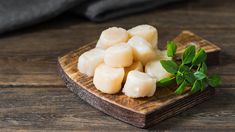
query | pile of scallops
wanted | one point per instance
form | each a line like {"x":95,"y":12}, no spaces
{"x":125,"y":60}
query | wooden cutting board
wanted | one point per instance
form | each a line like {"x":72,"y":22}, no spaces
{"x":141,"y":112}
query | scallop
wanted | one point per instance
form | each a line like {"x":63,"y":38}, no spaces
{"x":147,"y":32}
{"x":162,"y":55}
{"x":137,"y":65}
{"x":155,"y":70}
{"x":142,"y":50}
{"x":119,"y":55}
{"x":108,"y":79}
{"x":112,"y":36}
{"x":89,"y":60}
{"x":139,"y":84}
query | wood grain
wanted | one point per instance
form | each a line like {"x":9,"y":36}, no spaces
{"x":22,"y":65}
{"x":187,"y":37}
{"x":58,"y":109}
{"x":139,"y":112}
{"x":34,"y":98}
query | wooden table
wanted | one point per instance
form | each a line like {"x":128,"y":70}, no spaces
{"x":33,"y":97}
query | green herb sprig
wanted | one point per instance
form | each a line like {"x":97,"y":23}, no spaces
{"x":190,"y":71}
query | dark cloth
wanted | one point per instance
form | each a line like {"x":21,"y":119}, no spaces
{"x":15,"y":14}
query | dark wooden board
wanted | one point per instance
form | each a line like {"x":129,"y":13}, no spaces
{"x":142,"y":112}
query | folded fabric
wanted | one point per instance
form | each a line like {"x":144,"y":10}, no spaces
{"x":15,"y":14}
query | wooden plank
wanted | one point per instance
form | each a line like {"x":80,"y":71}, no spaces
{"x":55,"y":109}
{"x":23,"y":64}
{"x":186,"y":14}
{"x":28,"y":71}
{"x":52,"y":108}
{"x":57,"y":42}
{"x":43,"y":79}
{"x":138,"y":112}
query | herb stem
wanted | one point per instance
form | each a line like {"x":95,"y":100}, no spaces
{"x":191,"y":67}
{"x":199,"y":66}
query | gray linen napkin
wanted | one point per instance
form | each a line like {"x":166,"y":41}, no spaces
{"x":16,"y":14}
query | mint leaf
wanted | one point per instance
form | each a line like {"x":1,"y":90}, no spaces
{"x":199,"y":75}
{"x":203,"y":68}
{"x":170,"y":66}
{"x":189,"y":76}
{"x":171,"y":48}
{"x":183,"y":68}
{"x":190,"y":71}
{"x":181,"y":88}
{"x":204,"y":84}
{"x":188,"y":54}
{"x":179,"y":78}
{"x":199,"y":57}
{"x":196,"y":86}
{"x":165,"y":81}
{"x":214,"y":80}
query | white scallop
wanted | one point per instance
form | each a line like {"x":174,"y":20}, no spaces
{"x":119,"y":55}
{"x":142,"y":50}
{"x":139,"y":84}
{"x":89,"y":60}
{"x":155,"y":70}
{"x":137,"y":65}
{"x":108,"y":79}
{"x":147,"y":32}
{"x":112,"y":36}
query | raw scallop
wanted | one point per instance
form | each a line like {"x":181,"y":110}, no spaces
{"x":147,"y":32}
{"x":89,"y":60}
{"x":108,"y":79}
{"x":119,"y":55}
{"x":155,"y":69}
{"x":142,"y":50}
{"x":137,"y":65}
{"x":139,"y":84}
{"x":111,"y":37}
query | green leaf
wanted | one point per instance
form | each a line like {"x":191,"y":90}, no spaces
{"x":183,"y":68}
{"x":199,"y":75}
{"x":170,"y":66}
{"x":199,"y":57}
{"x":197,"y":85}
{"x":181,"y":88}
{"x":214,"y":80}
{"x":171,"y":48}
{"x":189,"y":76}
{"x":188,"y":54}
{"x":165,"y":81}
{"x":204,"y":84}
{"x":179,"y":78}
{"x":184,"y":73}
{"x":203,"y":68}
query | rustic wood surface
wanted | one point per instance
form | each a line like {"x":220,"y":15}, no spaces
{"x":33,"y":97}
{"x":141,"y":112}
